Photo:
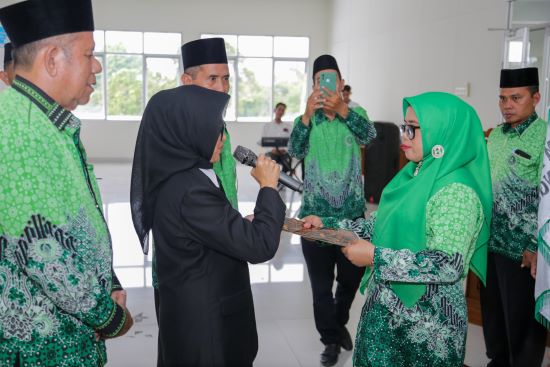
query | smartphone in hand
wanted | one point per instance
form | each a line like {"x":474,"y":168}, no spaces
{"x":328,"y":80}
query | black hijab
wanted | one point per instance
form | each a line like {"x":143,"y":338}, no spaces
{"x":179,"y":131}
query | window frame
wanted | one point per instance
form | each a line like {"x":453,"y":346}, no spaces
{"x":235,"y":58}
{"x":144,"y":87}
{"x":102,"y":55}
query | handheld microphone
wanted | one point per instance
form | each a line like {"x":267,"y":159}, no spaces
{"x":248,"y":158}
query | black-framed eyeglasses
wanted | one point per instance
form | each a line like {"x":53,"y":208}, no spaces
{"x":408,"y":130}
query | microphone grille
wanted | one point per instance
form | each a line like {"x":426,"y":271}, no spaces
{"x":245,"y":156}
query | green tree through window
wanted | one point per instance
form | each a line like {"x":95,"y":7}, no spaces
{"x":124,"y":85}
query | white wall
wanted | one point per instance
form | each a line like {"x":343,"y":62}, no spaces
{"x":114,"y":140}
{"x":389,"y":49}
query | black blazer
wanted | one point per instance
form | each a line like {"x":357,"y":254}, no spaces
{"x":202,"y":244}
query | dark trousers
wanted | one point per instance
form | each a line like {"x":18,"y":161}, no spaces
{"x":157,"y":302}
{"x":513,"y":337}
{"x":159,"y":344}
{"x":331,"y":312}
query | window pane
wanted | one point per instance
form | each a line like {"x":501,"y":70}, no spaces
{"x":161,"y":74}
{"x":130,"y":42}
{"x":230,"y":111}
{"x":287,"y":273}
{"x":99,"y":38}
{"x":292,"y":47}
{"x":255,"y":89}
{"x":124,"y":85}
{"x":290,"y":87}
{"x":255,"y":46}
{"x":162,"y":43}
{"x":230,"y":42}
{"x":133,"y":277}
{"x":126,"y":247}
{"x":95,"y":109}
{"x":149,"y":276}
{"x":515,"y":51}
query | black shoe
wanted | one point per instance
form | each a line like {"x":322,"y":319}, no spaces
{"x":329,"y":357}
{"x":346,"y":342}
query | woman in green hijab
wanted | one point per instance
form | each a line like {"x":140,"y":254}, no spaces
{"x":432,"y":225}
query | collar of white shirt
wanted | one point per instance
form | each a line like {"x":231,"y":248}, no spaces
{"x":211,"y":175}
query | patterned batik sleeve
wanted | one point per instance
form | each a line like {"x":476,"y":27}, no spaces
{"x":359,"y":124}
{"x":67,"y":261}
{"x":453,"y":220}
{"x":54,"y":260}
{"x":424,"y":267}
{"x":362,"y":227}
{"x":298,"y":145}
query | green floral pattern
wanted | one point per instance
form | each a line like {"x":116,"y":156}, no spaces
{"x":433,"y":331}
{"x":333,"y":184}
{"x":363,"y":228}
{"x":424,"y":267}
{"x":516,"y":181}
{"x":55,"y":249}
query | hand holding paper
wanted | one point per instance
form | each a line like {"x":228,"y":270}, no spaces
{"x":338,"y":237}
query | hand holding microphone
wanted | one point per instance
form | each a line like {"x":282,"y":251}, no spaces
{"x":266,"y":172}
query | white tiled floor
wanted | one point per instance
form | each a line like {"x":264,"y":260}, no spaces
{"x":282,"y":295}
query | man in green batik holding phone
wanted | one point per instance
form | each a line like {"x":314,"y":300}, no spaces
{"x":328,"y":137}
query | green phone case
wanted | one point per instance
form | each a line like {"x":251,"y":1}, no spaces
{"x":328,"y":80}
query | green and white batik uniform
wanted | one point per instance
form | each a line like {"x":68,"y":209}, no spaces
{"x":333,"y":185}
{"x":432,"y":225}
{"x":516,"y":162}
{"x":434,"y":329}
{"x":56,"y":273}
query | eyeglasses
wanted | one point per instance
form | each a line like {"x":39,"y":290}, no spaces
{"x":408,"y":130}
{"x":224,"y":127}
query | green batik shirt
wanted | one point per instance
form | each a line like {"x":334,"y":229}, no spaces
{"x":433,"y":331}
{"x":56,"y":273}
{"x":516,"y":162}
{"x":333,"y":185}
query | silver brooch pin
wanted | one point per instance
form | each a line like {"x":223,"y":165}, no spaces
{"x":438,"y":151}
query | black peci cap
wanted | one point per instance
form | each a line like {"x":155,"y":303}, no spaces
{"x":513,"y":78}
{"x":203,"y":51}
{"x":34,"y":20}
{"x":325,"y":62}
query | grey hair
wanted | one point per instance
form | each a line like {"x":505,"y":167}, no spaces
{"x":24,"y":56}
{"x":192,"y":71}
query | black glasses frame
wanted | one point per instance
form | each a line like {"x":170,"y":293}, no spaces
{"x":408,"y":130}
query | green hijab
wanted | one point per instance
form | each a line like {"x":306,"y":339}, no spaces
{"x":454,"y":151}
